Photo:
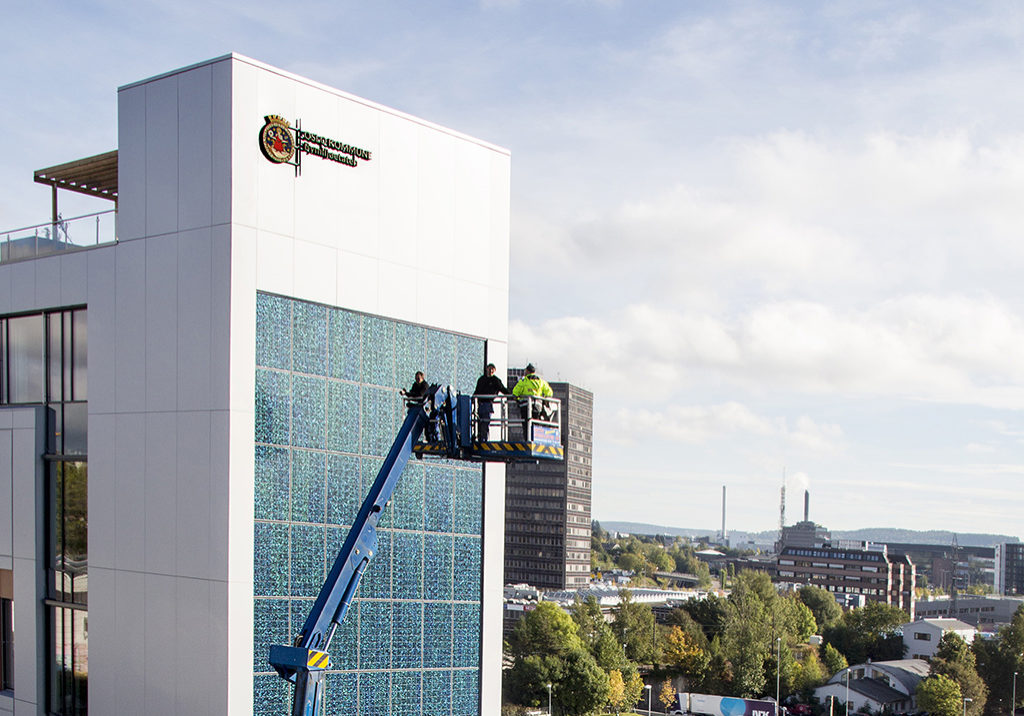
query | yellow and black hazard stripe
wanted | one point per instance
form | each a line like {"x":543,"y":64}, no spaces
{"x":318,"y":659}
{"x":553,"y":450}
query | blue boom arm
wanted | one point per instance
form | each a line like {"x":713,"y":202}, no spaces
{"x":305,"y":663}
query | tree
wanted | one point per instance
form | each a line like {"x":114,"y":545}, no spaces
{"x":709,"y":613}
{"x":832,"y":660}
{"x":871,"y":632}
{"x":545,"y":630}
{"x":667,"y":694}
{"x":584,"y":687}
{"x":634,"y":626}
{"x":998,"y":658}
{"x":939,"y":695}
{"x":685,"y":655}
{"x":805,"y":622}
{"x":616,"y":691}
{"x":810,"y":675}
{"x":822,"y":604}
{"x":597,"y":635}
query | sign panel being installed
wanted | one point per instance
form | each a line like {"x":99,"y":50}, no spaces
{"x":283,"y":144}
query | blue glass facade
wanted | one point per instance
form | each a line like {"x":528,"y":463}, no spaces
{"x":327,"y":409}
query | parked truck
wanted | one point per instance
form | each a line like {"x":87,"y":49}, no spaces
{"x":710,"y":705}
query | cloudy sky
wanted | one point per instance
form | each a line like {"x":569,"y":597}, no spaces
{"x":772,"y":237}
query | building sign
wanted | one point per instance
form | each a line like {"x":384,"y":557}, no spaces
{"x":283,"y":144}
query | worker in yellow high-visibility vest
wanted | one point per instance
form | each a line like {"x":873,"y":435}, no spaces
{"x":530,"y":384}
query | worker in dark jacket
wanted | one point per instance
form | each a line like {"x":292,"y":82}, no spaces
{"x":487,"y":385}
{"x":416,"y":395}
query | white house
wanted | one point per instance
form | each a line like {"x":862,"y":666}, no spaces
{"x":921,"y":638}
{"x":882,"y":686}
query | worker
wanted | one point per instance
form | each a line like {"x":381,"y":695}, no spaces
{"x":531,"y":385}
{"x":487,"y":385}
{"x":415,"y":396}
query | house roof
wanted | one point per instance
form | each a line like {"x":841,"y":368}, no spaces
{"x":909,"y":672}
{"x":877,"y":691}
{"x":943,"y":624}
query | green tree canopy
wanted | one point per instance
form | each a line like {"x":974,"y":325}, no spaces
{"x":822,"y":604}
{"x":939,"y":695}
{"x":596,"y":634}
{"x":547,"y":630}
{"x":832,"y":660}
{"x":870,"y":632}
{"x":634,"y":626}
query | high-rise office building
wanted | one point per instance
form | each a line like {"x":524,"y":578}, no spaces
{"x":192,"y":407}
{"x":1009,"y":568}
{"x":547,"y":506}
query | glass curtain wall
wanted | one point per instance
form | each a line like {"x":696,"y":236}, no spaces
{"x":327,"y":411}
{"x":43,"y":361}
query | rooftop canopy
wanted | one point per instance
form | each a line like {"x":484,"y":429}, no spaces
{"x":95,"y":176}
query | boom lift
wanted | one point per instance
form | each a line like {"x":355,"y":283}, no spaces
{"x":456,"y":431}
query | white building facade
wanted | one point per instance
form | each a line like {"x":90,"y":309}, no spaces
{"x":234,"y":359}
{"x":921,"y":638}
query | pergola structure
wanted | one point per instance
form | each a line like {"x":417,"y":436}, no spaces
{"x":93,"y":176}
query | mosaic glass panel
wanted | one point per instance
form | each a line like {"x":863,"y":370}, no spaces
{"x":273,"y":407}
{"x":407,"y":636}
{"x":273,"y":331}
{"x":466,"y":692}
{"x":271,"y":559}
{"x":344,"y":341}
{"x":308,"y":471}
{"x":342,"y":691}
{"x":309,"y":338}
{"x":440,"y":357}
{"x":468,"y":503}
{"x":374,"y":694}
{"x":437,"y":566}
{"x":307,"y":562}
{"x":470,"y":363}
{"x":406,"y":690}
{"x":342,"y":416}
{"x":309,"y":411}
{"x":466,"y":639}
{"x":439,"y":493}
{"x":410,"y":353}
{"x":437,"y":693}
{"x":407,"y":580}
{"x":344,"y":489}
{"x":374,"y":634}
{"x":272,"y":695}
{"x":467,"y":568}
{"x":378,"y":351}
{"x":437,"y":635}
{"x":327,"y":410}
{"x":273,"y":488}
{"x":270,"y":626}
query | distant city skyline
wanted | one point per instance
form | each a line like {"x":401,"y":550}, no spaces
{"x":769,"y":237}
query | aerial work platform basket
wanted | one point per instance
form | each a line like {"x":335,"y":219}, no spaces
{"x":497,"y":428}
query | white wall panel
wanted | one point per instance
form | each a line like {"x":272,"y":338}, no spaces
{"x":102,"y":491}
{"x":130,"y":637}
{"x":6,"y":494}
{"x":245,"y":155}
{"x":195,"y":309}
{"x":316,"y":271}
{"x":162,"y":156}
{"x":398,"y":165}
{"x":357,"y":282}
{"x":131,"y":162}
{"x":471,"y":257}
{"x":160,"y":497}
{"x":130,"y":327}
{"x":221,"y":189}
{"x":275,"y":267}
{"x":102,"y":332}
{"x":195,"y":148}
{"x":194,"y":513}
{"x":218,"y":376}
{"x":130,"y":491}
{"x":23,"y":289}
{"x":105,"y":653}
{"x":74,"y":276}
{"x":6,"y":276}
{"x":435,"y":226}
{"x":47,"y":282}
{"x":162,"y":643}
{"x":161,"y":322}
{"x":397,"y":297}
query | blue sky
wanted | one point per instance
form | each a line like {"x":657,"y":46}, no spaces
{"x":769,"y":236}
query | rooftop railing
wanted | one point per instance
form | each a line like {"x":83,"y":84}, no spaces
{"x":53,"y":237}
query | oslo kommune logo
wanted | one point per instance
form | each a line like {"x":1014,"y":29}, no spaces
{"x":276,"y":141}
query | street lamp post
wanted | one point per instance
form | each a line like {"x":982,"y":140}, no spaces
{"x":847,"y":691}
{"x":549,"y":699}
{"x":831,"y":703}
{"x":965,"y":704}
{"x":1013,"y":699}
{"x":778,"y":669}
{"x":648,"y":687}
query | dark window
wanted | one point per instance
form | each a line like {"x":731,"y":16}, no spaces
{"x":6,"y":644}
{"x":69,"y":668}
